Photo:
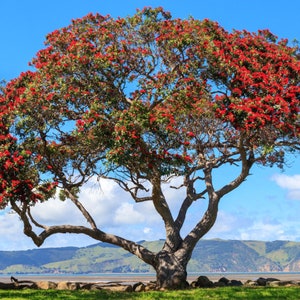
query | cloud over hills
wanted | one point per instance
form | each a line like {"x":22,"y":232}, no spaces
{"x":290,"y":183}
{"x":115,"y":212}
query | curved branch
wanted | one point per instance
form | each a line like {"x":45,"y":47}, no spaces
{"x":133,"y":191}
{"x":210,"y":215}
{"x":34,"y":222}
{"x":246,"y":166}
{"x":160,"y":202}
{"x":207,"y":221}
{"x":173,"y":238}
{"x":95,"y":233}
{"x":82,"y":209}
{"x":187,"y":202}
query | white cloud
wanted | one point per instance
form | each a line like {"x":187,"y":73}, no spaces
{"x":239,"y":227}
{"x":115,"y":212}
{"x":112,"y":209}
{"x":105,"y":201}
{"x":11,"y":233}
{"x":262,"y":231}
{"x":126,"y":214}
{"x":289,"y":182}
{"x":56,"y":211}
{"x":268,"y":231}
{"x":147,"y":230}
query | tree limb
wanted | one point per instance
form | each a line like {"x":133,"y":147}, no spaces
{"x":82,"y":209}
{"x":95,"y":233}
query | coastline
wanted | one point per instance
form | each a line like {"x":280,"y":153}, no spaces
{"x":144,"y":277}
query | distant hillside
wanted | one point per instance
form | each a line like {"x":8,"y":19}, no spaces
{"x":209,"y":256}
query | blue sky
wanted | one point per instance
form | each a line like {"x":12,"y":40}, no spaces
{"x":265,"y":207}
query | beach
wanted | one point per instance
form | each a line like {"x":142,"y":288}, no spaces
{"x":136,"y":277}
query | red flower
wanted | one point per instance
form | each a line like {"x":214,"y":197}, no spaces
{"x":191,"y":134}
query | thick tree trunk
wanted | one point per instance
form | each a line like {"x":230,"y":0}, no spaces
{"x":170,"y":272}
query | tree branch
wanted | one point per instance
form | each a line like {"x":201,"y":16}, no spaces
{"x":210,"y":215}
{"x":247,"y":163}
{"x":191,"y":196}
{"x":133,"y":191}
{"x":95,"y":233}
{"x":34,"y":221}
{"x":82,"y":209}
{"x":173,"y":239}
{"x":207,"y":221}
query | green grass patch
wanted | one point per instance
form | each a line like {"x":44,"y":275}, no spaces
{"x":249,"y":293}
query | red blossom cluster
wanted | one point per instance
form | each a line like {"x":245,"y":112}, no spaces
{"x":260,"y":81}
{"x":17,"y":182}
{"x":147,"y":93}
{"x":12,"y":183}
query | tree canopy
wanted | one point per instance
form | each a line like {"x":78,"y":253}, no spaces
{"x":140,"y":100}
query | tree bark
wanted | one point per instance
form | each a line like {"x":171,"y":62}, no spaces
{"x":171,"y":272}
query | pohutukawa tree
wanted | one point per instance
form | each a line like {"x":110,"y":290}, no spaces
{"x":141,"y":100}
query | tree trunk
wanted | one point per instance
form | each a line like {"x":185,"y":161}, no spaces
{"x":170,"y":272}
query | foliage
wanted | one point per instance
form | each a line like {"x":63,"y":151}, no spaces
{"x":141,"y":100}
{"x":143,"y":89}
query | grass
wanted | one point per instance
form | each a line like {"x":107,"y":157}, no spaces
{"x":249,"y":293}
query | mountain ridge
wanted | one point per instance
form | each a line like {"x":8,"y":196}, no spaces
{"x":210,"y":255}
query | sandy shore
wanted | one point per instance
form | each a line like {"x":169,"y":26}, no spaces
{"x":132,"y":278}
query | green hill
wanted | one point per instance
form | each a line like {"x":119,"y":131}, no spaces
{"x":209,"y":256}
